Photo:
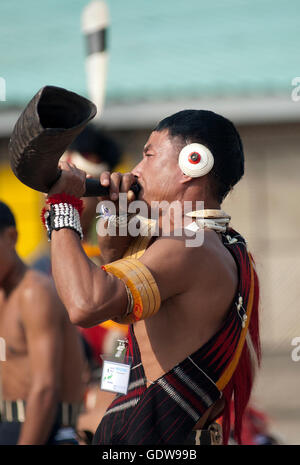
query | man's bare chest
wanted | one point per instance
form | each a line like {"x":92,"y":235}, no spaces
{"x":164,"y":340}
{"x":179,"y":329}
{"x":12,"y":335}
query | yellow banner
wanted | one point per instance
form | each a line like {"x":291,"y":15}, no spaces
{"x":26,"y":205}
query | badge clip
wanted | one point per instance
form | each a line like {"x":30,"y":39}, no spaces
{"x":115,"y":373}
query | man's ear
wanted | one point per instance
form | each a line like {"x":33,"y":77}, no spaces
{"x":11,"y":235}
{"x":185,"y":178}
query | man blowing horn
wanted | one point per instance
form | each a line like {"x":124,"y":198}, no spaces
{"x":193,"y":341}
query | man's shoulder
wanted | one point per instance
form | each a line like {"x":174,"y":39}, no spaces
{"x":35,"y":281}
{"x":171,"y":259}
{"x":172,"y":255}
{"x":209,"y":247}
{"x":37,"y":294}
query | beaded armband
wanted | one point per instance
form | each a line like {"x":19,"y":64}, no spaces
{"x":64,"y":212}
{"x":142,"y":288}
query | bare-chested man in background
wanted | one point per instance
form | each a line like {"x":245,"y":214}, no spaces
{"x":41,"y":357}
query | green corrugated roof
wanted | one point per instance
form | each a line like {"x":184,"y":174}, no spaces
{"x":159,"y":49}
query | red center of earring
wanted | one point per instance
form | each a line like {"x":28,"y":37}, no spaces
{"x":194,"y":158}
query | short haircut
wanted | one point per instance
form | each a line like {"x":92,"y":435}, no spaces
{"x":219,"y":135}
{"x":94,"y":140}
{"x":7,"y":218}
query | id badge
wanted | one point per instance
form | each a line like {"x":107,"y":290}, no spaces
{"x":115,"y":377}
{"x":115,"y":373}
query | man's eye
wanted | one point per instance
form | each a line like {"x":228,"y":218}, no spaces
{"x":148,"y":154}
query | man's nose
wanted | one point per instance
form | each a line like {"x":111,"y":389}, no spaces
{"x":136,"y":171}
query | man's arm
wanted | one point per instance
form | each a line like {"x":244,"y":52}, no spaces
{"x":43,"y":325}
{"x":92,"y":295}
{"x":89,"y":294}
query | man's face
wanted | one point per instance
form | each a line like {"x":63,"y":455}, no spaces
{"x":158,"y":172}
{"x":7,"y":251}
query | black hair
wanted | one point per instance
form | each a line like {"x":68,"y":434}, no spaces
{"x":7,"y":218}
{"x":219,"y":135}
{"x":93,"y":140}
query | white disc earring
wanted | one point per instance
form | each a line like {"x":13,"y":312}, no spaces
{"x":195,"y":160}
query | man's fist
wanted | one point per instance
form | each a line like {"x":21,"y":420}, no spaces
{"x":71,"y":181}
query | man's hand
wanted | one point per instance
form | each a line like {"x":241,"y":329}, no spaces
{"x":113,"y":247}
{"x":71,"y":181}
{"x":117,"y":183}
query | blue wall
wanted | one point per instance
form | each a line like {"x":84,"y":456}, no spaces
{"x":158,"y":48}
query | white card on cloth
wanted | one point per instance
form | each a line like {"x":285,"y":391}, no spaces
{"x":115,"y":377}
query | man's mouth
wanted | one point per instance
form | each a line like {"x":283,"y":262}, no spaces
{"x":137,"y":188}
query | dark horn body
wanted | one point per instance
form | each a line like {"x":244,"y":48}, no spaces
{"x":47,"y":126}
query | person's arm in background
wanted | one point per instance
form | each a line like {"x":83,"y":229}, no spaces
{"x":43,"y":326}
